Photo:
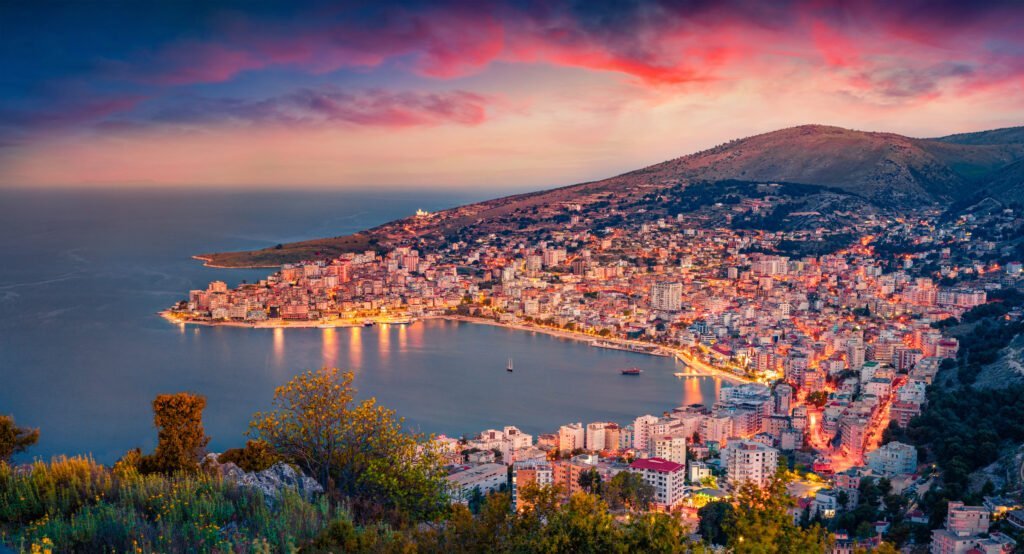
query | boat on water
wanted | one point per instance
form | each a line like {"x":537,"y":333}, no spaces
{"x":632,"y":371}
{"x":509,"y":367}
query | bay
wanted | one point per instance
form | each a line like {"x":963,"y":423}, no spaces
{"x":82,"y":352}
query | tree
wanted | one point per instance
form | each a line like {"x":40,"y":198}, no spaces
{"x":590,"y":481}
{"x":14,"y":439}
{"x":628,"y":490}
{"x":713,"y":517}
{"x":655,"y":533}
{"x":818,"y":398}
{"x":180,"y":434}
{"x":360,"y":451}
{"x":582,"y":525}
{"x":476,"y":499}
{"x":761,"y":522}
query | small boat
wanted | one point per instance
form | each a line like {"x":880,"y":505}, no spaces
{"x":509,"y":367}
{"x":632,"y":371}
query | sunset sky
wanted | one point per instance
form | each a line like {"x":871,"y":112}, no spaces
{"x":504,"y":94}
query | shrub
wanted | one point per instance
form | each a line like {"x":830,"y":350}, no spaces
{"x":358,"y":450}
{"x":179,"y":418}
{"x":78,"y":505}
{"x":256,"y":456}
{"x":14,"y":439}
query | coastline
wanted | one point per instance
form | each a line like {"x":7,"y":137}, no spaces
{"x":572,"y":335}
{"x":207,"y":263}
{"x":702,"y":369}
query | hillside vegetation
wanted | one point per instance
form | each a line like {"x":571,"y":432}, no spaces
{"x":885,"y":169}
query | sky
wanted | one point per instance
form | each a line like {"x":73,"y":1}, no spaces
{"x":509,"y":94}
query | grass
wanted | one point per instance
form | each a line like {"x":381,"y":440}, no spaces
{"x":77,"y":505}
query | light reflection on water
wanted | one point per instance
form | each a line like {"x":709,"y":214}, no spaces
{"x":82,"y":356}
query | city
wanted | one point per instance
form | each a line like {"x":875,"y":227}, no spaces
{"x":512,"y":277}
{"x":827,"y":351}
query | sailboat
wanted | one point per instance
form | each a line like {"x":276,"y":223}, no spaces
{"x":509,"y":367}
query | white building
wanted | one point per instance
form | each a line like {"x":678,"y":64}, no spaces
{"x":698,"y":471}
{"x":894,"y":458}
{"x":716,"y":429}
{"x":570,"y":437}
{"x":667,"y":478}
{"x":595,"y":437}
{"x":671,"y":448}
{"x":507,"y":441}
{"x":667,"y":297}
{"x":746,"y":460}
{"x":486,"y":477}
{"x":642,"y":431}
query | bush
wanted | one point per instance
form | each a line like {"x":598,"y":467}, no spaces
{"x":358,"y":450}
{"x":256,"y":456}
{"x":14,"y":439}
{"x":179,"y":418}
{"x":78,"y":505}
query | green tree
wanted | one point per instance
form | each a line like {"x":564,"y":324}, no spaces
{"x":762,"y":524}
{"x":476,"y":499}
{"x":582,"y":525}
{"x":359,"y":450}
{"x":656,"y":532}
{"x":590,"y":481}
{"x":713,"y":518}
{"x":14,"y":439}
{"x":180,"y":434}
{"x":628,"y":490}
{"x":818,"y":398}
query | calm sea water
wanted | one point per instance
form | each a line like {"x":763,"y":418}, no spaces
{"x":83,"y":353}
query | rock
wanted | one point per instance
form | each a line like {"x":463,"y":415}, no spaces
{"x":270,"y":482}
{"x":279,"y":477}
{"x":227,"y":471}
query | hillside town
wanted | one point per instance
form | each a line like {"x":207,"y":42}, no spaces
{"x":829,"y":348}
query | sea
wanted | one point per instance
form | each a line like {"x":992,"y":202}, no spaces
{"x":83,"y":273}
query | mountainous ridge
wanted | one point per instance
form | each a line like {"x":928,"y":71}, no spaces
{"x":885,"y":169}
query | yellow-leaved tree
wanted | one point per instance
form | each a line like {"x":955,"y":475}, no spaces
{"x":356,"y":449}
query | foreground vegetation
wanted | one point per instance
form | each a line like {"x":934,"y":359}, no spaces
{"x":385,"y":492}
{"x":77,"y":505}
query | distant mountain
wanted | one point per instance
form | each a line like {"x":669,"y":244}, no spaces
{"x":884,"y":167}
{"x":882,"y":170}
{"x":1006,"y":135}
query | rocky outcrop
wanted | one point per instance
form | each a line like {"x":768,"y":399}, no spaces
{"x":270,"y":482}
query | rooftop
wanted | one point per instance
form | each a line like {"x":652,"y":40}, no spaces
{"x":656,"y":464}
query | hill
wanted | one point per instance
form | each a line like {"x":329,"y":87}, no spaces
{"x":886,"y":170}
{"x":884,"y":167}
